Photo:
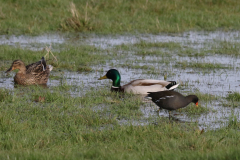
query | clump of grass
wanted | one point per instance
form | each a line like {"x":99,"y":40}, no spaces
{"x":158,"y":45}
{"x":5,"y":95}
{"x":206,"y":97}
{"x":233,"y":97}
{"x":186,"y":64}
{"x":196,"y":110}
{"x":233,"y":100}
{"x":233,"y":122}
{"x":151,"y":53}
{"x":78,"y":21}
{"x":143,"y":67}
{"x":125,"y":105}
{"x":84,"y":69}
{"x":225,"y":48}
{"x":55,"y":77}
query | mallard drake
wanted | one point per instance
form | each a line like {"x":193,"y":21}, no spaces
{"x":138,"y":86}
{"x":171,"y":100}
{"x":35,"y":73}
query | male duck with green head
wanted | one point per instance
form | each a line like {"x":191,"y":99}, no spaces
{"x":138,"y":86}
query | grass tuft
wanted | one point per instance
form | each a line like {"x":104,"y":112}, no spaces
{"x":84,"y":69}
{"x":5,"y":95}
{"x":233,"y":97}
{"x":78,"y":21}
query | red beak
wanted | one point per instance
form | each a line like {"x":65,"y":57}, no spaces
{"x":197,"y":104}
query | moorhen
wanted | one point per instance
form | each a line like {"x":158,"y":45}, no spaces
{"x":171,"y":100}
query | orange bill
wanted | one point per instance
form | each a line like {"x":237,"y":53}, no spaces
{"x":197,"y":104}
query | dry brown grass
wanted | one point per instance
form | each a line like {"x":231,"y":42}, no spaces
{"x":78,"y":22}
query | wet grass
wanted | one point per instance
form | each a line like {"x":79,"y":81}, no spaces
{"x":117,"y":16}
{"x":158,"y":45}
{"x":225,"y":48}
{"x":5,"y":95}
{"x":70,"y":126}
{"x":84,"y":69}
{"x":233,"y":97}
{"x":232,"y":100}
{"x":68,"y":121}
{"x":167,"y":49}
{"x":71,"y":58}
{"x":143,"y":67}
{"x":185,"y":64}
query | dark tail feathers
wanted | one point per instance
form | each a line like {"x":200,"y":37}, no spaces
{"x":43,"y":63}
{"x":173,"y":83}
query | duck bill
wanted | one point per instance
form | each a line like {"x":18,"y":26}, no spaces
{"x":197,"y":104}
{"x":103,"y":77}
{"x":9,"y":70}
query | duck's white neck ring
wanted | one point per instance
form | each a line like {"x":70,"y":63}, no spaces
{"x":115,"y":87}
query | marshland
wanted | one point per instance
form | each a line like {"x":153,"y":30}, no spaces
{"x":76,"y":116}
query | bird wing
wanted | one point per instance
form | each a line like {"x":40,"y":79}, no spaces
{"x":148,"y":82}
{"x":37,"y":67}
{"x":142,"y":86}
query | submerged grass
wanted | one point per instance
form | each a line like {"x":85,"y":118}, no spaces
{"x":201,"y":65}
{"x":18,"y":17}
{"x":232,"y":100}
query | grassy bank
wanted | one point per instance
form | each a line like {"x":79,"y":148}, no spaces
{"x":63,"y":127}
{"x":37,"y":17}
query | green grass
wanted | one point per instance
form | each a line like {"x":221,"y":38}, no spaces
{"x":37,"y":17}
{"x":66,"y":127}
{"x":88,"y":121}
{"x":233,"y":97}
{"x":158,"y":45}
{"x":202,"y":65}
{"x":232,"y":100}
{"x":69,"y":58}
{"x":225,"y":48}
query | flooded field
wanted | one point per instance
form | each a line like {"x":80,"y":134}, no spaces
{"x":190,"y":62}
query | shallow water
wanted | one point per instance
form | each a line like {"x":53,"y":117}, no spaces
{"x":194,"y":39}
{"x":217,"y":82}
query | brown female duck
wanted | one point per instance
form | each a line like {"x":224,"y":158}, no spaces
{"x":35,"y":73}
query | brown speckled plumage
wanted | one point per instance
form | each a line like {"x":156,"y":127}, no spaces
{"x":35,"y":73}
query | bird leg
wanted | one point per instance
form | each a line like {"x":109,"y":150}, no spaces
{"x":159,"y":111}
{"x":169,"y":114}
